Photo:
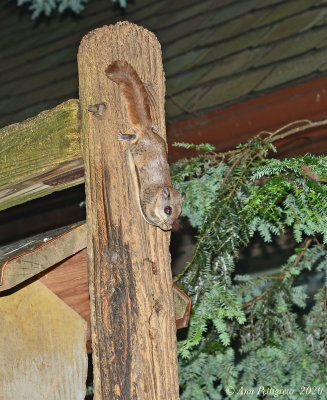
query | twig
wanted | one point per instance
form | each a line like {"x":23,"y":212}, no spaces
{"x":281,"y":276}
{"x":280,"y":133}
{"x":309,"y":125}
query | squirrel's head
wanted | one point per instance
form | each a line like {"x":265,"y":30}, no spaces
{"x":168,"y":206}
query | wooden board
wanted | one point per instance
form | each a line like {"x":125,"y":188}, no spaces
{"x":69,"y":281}
{"x":50,"y":257}
{"x":32,"y":256}
{"x":42,"y":347}
{"x":40,"y":155}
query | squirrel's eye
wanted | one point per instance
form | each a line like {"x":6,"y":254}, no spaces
{"x":168,"y":210}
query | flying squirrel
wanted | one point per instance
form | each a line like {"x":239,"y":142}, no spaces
{"x":160,"y":203}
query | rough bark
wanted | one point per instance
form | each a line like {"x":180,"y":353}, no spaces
{"x":132,"y":309}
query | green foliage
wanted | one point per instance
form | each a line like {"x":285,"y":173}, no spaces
{"x":38,"y":7}
{"x":245,"y":337}
{"x":290,"y":197}
{"x":46,"y":7}
{"x":198,"y":147}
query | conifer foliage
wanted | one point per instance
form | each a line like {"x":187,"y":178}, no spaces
{"x":246,"y":339}
{"x":47,"y":7}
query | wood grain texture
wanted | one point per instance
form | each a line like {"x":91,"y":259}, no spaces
{"x":69,"y":281}
{"x":30,"y":262}
{"x":42,"y":347}
{"x":35,"y":152}
{"x":132,"y":309}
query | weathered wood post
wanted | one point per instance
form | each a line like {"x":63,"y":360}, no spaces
{"x":132,"y":311}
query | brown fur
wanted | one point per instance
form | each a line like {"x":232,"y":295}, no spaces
{"x":132,"y":88}
{"x":148,"y":151}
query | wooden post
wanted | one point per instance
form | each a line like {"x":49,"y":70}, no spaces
{"x":132,"y":311}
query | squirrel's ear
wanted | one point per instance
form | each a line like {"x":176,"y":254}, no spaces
{"x":165,"y":193}
{"x":183,"y":195}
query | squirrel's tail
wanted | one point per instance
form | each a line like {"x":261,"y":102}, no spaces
{"x":134,"y":92}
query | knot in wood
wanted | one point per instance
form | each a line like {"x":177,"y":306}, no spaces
{"x":114,"y":257}
{"x":153,"y":266}
{"x":98,"y":110}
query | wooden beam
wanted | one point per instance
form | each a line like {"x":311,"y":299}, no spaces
{"x":19,"y":262}
{"x":227,"y":127}
{"x":40,"y":155}
{"x":132,"y":308}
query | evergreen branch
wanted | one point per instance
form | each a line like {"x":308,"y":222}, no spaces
{"x":307,"y":124}
{"x":226,"y":203}
{"x":247,"y":288}
{"x":312,"y":175}
{"x":277,"y":280}
{"x":279,"y":134}
{"x":286,"y":127}
{"x":235,"y":163}
{"x":280,"y":277}
{"x":227,"y":206}
{"x":307,"y":243}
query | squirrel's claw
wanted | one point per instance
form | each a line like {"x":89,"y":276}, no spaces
{"x":125,"y":136}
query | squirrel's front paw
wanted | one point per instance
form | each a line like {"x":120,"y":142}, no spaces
{"x":125,"y":136}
